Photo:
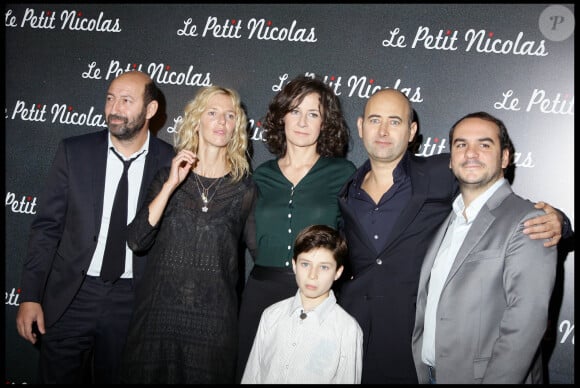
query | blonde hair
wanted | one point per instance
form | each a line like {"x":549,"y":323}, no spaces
{"x":187,"y":134}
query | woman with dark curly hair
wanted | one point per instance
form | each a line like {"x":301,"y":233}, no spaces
{"x":306,"y":131}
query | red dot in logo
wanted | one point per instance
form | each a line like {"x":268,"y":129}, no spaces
{"x":269,"y":23}
{"x":29,"y":198}
{"x":167,"y":67}
{"x":18,"y":290}
{"x":491,"y":34}
{"x":48,"y":13}
{"x":134,"y":65}
{"x":234,"y":21}
{"x":436,"y":140}
{"x":38,"y":106}
{"x":448,"y":32}
{"x":371,"y":81}
{"x":259,"y":123}
{"x":79,"y":14}
{"x":332,"y":78}
{"x":70,"y":108}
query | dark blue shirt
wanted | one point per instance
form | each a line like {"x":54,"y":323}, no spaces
{"x":378,"y":220}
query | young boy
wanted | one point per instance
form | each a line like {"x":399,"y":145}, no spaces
{"x":309,"y":338}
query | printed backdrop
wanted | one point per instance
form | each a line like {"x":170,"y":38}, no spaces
{"x":512,"y":60}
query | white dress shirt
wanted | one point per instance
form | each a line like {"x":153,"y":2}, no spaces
{"x":112,"y":177}
{"x":325,"y":347}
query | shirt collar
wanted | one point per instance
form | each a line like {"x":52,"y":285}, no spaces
{"x":473,"y":210}
{"x":143,"y":150}
{"x":320,"y":313}
{"x":400,"y":172}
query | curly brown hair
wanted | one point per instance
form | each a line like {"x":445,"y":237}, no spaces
{"x":334,"y":134}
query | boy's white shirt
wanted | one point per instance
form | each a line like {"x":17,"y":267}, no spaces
{"x":325,"y":347}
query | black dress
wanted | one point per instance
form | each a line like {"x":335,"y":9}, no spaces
{"x":184,"y":325}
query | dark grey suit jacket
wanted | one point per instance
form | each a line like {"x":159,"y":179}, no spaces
{"x":64,"y":232}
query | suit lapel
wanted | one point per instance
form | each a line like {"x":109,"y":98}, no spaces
{"x":432,"y":251}
{"x":151,"y":162}
{"x":98,"y":158}
{"x":483,"y":221}
{"x":342,"y":197}
{"x":480,"y":226}
{"x":420,"y":186}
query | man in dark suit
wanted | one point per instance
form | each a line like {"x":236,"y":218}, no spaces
{"x":391,"y":208}
{"x":80,"y":318}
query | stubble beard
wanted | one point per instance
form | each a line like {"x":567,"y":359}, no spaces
{"x":127,"y":130}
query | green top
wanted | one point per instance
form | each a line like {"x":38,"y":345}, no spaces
{"x":283,"y":210}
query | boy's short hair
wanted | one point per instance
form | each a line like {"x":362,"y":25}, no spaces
{"x":321,"y":236}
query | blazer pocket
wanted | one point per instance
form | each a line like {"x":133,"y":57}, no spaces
{"x":488,"y":254}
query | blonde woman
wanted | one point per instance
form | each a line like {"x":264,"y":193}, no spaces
{"x":184,"y":326}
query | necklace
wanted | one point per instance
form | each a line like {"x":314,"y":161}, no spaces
{"x":204,"y":191}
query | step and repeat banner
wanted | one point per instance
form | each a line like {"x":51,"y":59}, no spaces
{"x":513,"y":60}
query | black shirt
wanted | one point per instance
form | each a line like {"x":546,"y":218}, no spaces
{"x":378,"y":220}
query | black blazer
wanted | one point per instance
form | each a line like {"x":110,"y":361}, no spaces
{"x":64,"y":232}
{"x":383,"y":291}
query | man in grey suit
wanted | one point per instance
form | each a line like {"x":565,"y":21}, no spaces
{"x":81,"y":317}
{"x":485,"y":287}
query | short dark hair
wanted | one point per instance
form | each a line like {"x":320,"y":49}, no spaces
{"x":504,"y":138}
{"x":321,"y":236}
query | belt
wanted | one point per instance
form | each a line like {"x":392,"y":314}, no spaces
{"x":118,"y":282}
{"x":272,"y":273}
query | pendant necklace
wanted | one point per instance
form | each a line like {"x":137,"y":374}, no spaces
{"x":204,"y":191}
